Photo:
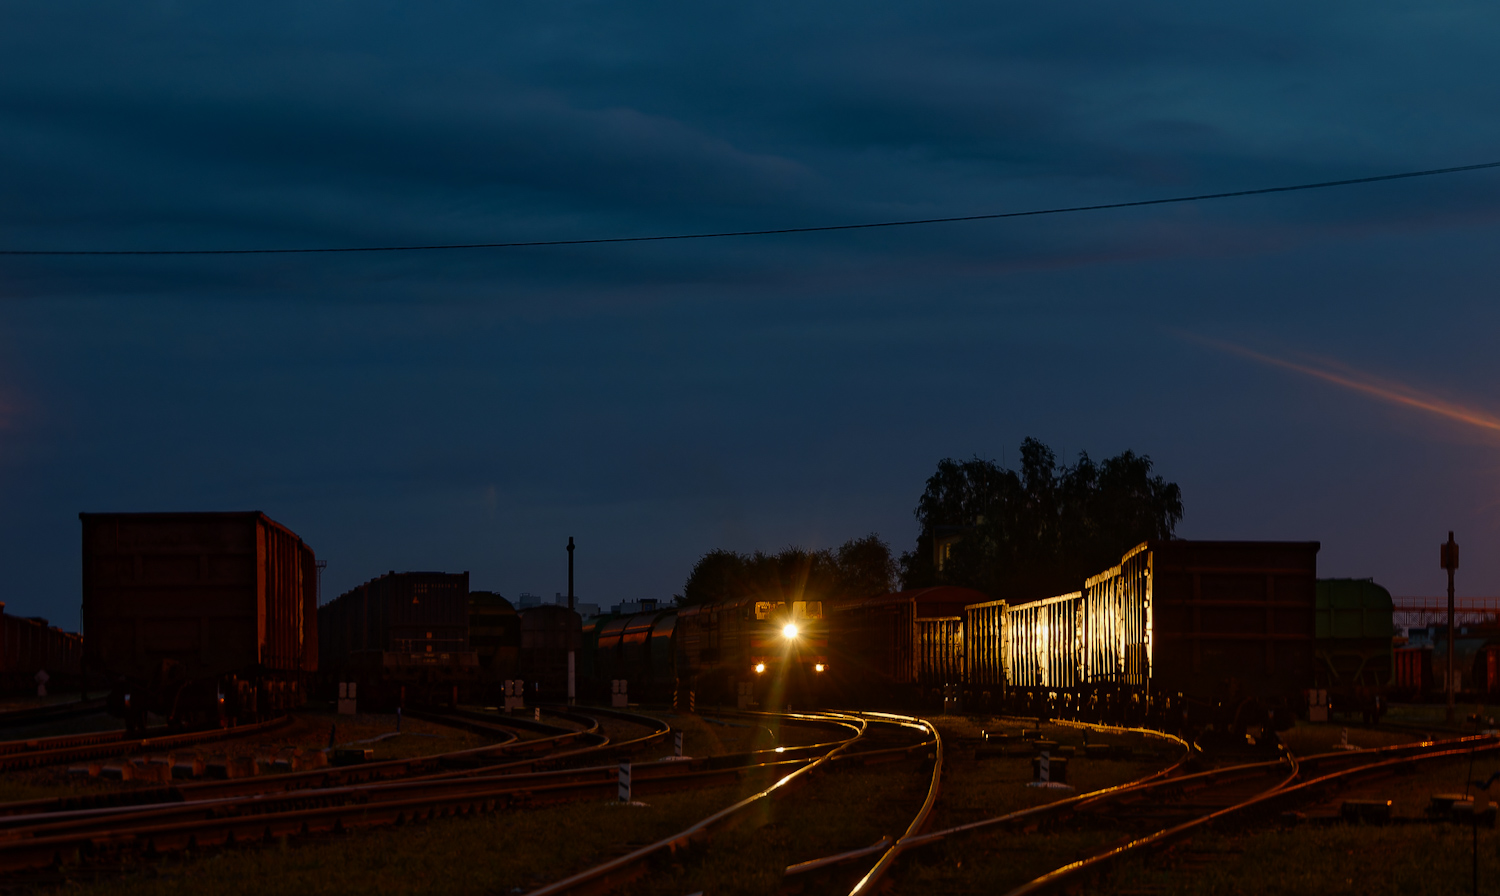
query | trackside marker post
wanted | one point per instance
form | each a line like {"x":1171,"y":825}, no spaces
{"x":624,"y":782}
{"x":677,"y":744}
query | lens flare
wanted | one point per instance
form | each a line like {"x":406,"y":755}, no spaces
{"x":1367,"y":384}
{"x":789,"y":631}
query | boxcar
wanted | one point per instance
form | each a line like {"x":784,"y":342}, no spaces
{"x":29,"y":647}
{"x":198,"y":616}
{"x":896,"y":648}
{"x":402,"y":637}
{"x":1413,"y":675}
{"x":1228,"y":619}
{"x":1225,"y":626}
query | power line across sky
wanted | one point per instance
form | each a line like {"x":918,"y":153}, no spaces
{"x":518,"y":244}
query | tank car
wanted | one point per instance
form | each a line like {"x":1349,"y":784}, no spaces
{"x":551,"y":637}
{"x":495,"y":638}
{"x":402,"y":637}
{"x":640,"y":649}
{"x":198,"y":617}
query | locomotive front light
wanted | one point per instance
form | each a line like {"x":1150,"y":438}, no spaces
{"x":760,"y":668}
{"x":819,"y":667}
{"x":789,"y":631}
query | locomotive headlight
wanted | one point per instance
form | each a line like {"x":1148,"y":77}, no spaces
{"x":819,"y":667}
{"x":760,"y":668}
{"x":789,"y":631}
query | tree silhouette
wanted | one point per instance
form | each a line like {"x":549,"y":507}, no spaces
{"x":1040,"y":530}
{"x":861,"y":567}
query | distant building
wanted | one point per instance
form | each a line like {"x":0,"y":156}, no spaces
{"x":527,"y":600}
{"x":634,"y":606}
{"x":586,"y":610}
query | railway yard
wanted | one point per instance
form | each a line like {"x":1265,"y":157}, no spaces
{"x":1198,"y":707}
{"x":472,"y":800}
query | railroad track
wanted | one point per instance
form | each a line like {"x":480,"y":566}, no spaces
{"x":36,"y":752}
{"x":51,"y":713}
{"x":869,"y":738}
{"x":1161,"y":808}
{"x":47,"y":833}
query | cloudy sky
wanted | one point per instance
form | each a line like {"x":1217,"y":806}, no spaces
{"x":1315,"y":365}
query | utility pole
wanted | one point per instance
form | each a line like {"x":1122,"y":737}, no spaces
{"x":1449,"y":554}
{"x":571,"y":679}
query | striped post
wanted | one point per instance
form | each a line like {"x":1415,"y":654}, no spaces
{"x":1044,"y":768}
{"x":677,"y":744}
{"x":624,"y":782}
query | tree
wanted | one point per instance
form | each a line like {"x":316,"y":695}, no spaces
{"x":1040,"y":530}
{"x":859,"y":568}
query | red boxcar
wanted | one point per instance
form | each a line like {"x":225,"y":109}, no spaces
{"x":199,"y":616}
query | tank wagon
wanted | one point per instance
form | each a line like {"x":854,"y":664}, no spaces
{"x":551,"y":636}
{"x":401,"y":637}
{"x":1198,"y":631}
{"x":495,"y":638}
{"x":641,"y":649}
{"x":29,"y":646}
{"x":198,"y":617}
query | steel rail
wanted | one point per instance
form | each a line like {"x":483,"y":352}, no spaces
{"x":309,"y":779}
{"x":60,"y":742}
{"x":925,"y":839}
{"x":1068,"y":874}
{"x":599,"y":874}
{"x":52,"y":755}
{"x":51,"y":712}
{"x":134,"y":802}
{"x":867,"y":883}
{"x":176,"y":827}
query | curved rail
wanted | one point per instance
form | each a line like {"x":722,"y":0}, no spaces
{"x":72,"y":747}
{"x":912,"y":839}
{"x":867,"y":883}
{"x":1070,"y":873}
{"x":593,"y":877}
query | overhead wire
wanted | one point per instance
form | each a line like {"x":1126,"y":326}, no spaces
{"x":777,"y":231}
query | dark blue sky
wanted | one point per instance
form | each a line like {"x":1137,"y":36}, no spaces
{"x":472,"y":410}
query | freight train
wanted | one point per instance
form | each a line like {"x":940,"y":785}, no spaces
{"x":199,"y":618}
{"x":33,"y":653}
{"x":194,"y":615}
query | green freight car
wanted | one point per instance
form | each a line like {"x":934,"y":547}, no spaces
{"x":1354,"y":629}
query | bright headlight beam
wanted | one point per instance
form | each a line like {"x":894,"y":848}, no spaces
{"x":789,"y":630}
